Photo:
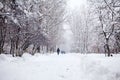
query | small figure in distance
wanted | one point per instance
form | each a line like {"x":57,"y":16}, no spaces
{"x":58,"y":51}
{"x":62,"y":52}
{"x":111,"y":55}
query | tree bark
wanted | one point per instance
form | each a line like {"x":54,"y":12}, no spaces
{"x":38,"y":49}
{"x":12,"y":49}
{"x":2,"y":32}
{"x":107,"y":47}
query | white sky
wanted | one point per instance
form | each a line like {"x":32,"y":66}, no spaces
{"x":72,"y":4}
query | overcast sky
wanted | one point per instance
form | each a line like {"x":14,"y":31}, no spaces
{"x":72,"y":4}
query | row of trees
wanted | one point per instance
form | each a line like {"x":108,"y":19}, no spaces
{"x":30,"y":22}
{"x":97,"y":27}
{"x":108,"y":13}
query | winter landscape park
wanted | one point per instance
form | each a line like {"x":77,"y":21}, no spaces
{"x":59,"y":39}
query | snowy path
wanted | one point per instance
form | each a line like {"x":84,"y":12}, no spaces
{"x":62,"y":67}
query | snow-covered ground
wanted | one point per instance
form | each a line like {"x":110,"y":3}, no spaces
{"x":62,"y":67}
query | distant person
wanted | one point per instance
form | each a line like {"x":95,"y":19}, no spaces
{"x":62,"y":52}
{"x":58,"y":51}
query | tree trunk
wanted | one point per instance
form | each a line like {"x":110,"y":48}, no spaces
{"x":34,"y":49}
{"x":47,"y":48}
{"x":1,"y":45}
{"x":2,"y":33}
{"x":107,"y":47}
{"x":23,"y":47}
{"x":38,"y":49}
{"x":12,"y":49}
{"x":16,"y":46}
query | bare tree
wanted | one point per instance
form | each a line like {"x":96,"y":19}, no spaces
{"x":107,"y":14}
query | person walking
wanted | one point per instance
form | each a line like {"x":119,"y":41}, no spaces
{"x":58,"y":51}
